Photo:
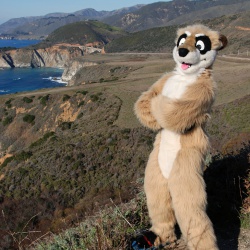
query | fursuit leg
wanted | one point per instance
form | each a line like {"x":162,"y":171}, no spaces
{"x":187,"y":189}
{"x":159,"y":200}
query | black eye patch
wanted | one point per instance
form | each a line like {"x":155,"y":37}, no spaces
{"x":203,"y":44}
{"x":181,"y":39}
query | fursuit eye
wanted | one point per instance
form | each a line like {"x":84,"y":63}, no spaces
{"x":182,"y":41}
{"x":200,"y":45}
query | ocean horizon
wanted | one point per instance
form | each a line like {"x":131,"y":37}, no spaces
{"x":15,"y":80}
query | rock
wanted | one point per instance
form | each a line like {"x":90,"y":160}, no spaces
{"x":72,"y":69}
{"x":55,"y":56}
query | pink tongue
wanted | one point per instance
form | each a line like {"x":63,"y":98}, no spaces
{"x":185,"y":66}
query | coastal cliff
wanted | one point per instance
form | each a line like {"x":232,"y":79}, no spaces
{"x":72,"y":68}
{"x":55,"y":56}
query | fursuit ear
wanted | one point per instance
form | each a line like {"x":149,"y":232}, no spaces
{"x":223,"y":41}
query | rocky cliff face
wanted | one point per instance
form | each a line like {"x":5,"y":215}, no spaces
{"x":72,"y":68}
{"x":56,"y":56}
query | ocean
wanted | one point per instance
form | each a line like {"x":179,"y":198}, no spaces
{"x":17,"y":43}
{"x":27,"y":79}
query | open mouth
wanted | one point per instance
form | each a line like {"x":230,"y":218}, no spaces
{"x":185,"y":66}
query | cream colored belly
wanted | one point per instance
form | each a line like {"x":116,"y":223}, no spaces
{"x":169,"y":148}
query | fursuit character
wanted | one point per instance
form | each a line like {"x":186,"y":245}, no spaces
{"x":178,"y":105}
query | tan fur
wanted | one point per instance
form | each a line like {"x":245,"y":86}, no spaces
{"x":143,"y":104}
{"x":213,"y":35}
{"x":182,"y":196}
{"x":158,"y":198}
{"x":191,"y":110}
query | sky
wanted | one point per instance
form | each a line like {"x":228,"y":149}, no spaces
{"x":23,"y":8}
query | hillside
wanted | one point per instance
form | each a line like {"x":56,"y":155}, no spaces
{"x":236,"y":27}
{"x":85,"y":32}
{"x":15,"y":22}
{"x":176,"y":12}
{"x":66,"y":152}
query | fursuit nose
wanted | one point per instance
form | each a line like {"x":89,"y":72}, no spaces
{"x":183,"y":52}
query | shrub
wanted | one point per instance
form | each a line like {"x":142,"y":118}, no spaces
{"x":66,"y":125}
{"x":7,"y":120}
{"x":6,"y":162}
{"x":81,"y":103}
{"x":29,"y":118}
{"x":80,"y":116}
{"x":8,"y":103}
{"x":43,"y":139}
{"x":27,"y":99}
{"x":23,"y":156}
{"x":66,"y":97}
{"x":44,"y":99}
{"x":94,"y":98}
{"x":83,"y":92}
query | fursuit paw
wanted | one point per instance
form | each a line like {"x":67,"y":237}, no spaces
{"x":165,"y":240}
{"x":143,"y":240}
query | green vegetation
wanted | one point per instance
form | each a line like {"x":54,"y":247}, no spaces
{"x":6,"y":162}
{"x":83,"y":92}
{"x":20,"y":157}
{"x":23,"y":156}
{"x":8,"y":103}
{"x":83,"y":32}
{"x":66,"y":125}
{"x":43,"y":139}
{"x":152,"y":40}
{"x":27,"y":99}
{"x":121,"y":221}
{"x":81,"y":103}
{"x":7,"y":120}
{"x":94,"y":98}
{"x":66,"y":98}
{"x":44,"y":99}
{"x":245,"y":220}
{"x":29,"y":118}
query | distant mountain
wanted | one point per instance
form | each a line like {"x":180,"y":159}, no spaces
{"x":131,"y":19}
{"x":175,"y":12}
{"x":41,"y":26}
{"x":15,"y":22}
{"x":161,"y":39}
{"x":92,"y":13}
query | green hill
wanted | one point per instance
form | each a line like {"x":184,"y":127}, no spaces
{"x":152,"y":40}
{"x":84,"y":32}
